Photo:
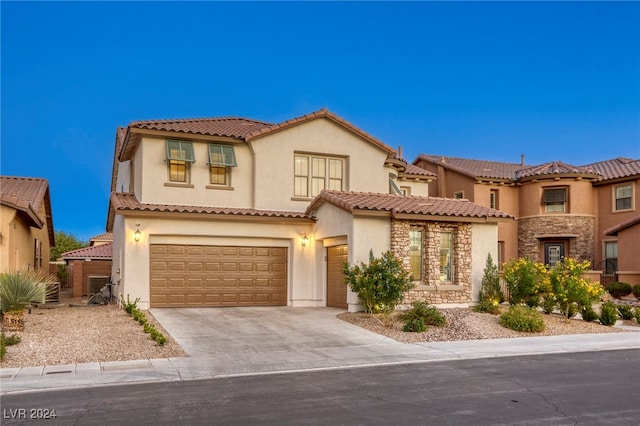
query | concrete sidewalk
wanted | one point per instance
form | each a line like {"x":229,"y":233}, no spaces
{"x":384,"y":352}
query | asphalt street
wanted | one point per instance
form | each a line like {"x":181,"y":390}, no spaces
{"x":588,"y":388}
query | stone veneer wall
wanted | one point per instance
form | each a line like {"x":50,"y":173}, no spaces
{"x":430,"y":288}
{"x":580,"y":247}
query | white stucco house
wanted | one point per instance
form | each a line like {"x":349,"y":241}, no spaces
{"x":238,"y":212}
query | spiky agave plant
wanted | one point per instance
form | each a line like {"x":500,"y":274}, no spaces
{"x":18,"y":289}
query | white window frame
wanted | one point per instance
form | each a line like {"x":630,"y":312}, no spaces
{"x":312,"y":173}
{"x":631,"y":197}
{"x":416,"y":235}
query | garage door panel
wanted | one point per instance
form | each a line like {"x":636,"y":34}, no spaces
{"x":218,"y":276}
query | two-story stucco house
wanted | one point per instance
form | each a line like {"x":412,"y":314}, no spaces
{"x":238,"y":212}
{"x":26,"y":224}
{"x":588,"y":212}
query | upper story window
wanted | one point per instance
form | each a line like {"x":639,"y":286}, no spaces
{"x":221,"y":159}
{"x":458,"y":195}
{"x":555,"y":200}
{"x":623,"y":197}
{"x":493,"y":199}
{"x":314,"y":173}
{"x":179,"y":159}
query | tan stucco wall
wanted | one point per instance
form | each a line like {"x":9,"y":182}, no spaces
{"x":152,"y":179}
{"x":607,"y":217}
{"x":628,"y":247}
{"x":274,"y":162}
{"x":484,"y":237}
{"x":134,"y":277}
{"x":580,"y":196}
{"x":17,"y":245}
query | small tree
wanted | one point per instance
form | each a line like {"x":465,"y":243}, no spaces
{"x":65,"y":242}
{"x":380,"y":284}
{"x":569,"y":289}
{"x":491,"y":289}
{"x":527,"y":281}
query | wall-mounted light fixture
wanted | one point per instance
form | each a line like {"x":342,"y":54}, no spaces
{"x":304,"y":240}
{"x":137,"y":234}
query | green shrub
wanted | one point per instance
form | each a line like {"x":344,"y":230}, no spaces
{"x":588,"y":314}
{"x":129,"y":306}
{"x":619,"y":290}
{"x":608,"y":314}
{"x":527,"y":281}
{"x":160,"y":339}
{"x":487,"y":306}
{"x":570,"y":289}
{"x":636,"y":291}
{"x":380,"y":284}
{"x":148,"y":327}
{"x":491,"y":289}
{"x":18,"y":289}
{"x":522,"y":318}
{"x":625,"y":311}
{"x":636,"y":314}
{"x":548,"y":304}
{"x":414,"y":325}
{"x":421,"y":310}
{"x":5,"y":341}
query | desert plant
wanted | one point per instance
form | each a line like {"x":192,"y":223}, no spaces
{"x":625,"y":311}
{"x":7,"y":341}
{"x":636,"y":314}
{"x":160,"y":339}
{"x":128,"y":305}
{"x":488,"y":306}
{"x":421,"y":310}
{"x":588,"y":314}
{"x":636,"y":291}
{"x":491,"y":289}
{"x":20,"y":288}
{"x":527,"y":281}
{"x":548,"y":303}
{"x":608,"y":314}
{"x":414,"y":325}
{"x":569,"y":289}
{"x":522,"y":318}
{"x":380,"y":284}
{"x":619,"y":289}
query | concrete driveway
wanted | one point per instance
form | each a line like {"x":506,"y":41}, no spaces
{"x":206,"y":332}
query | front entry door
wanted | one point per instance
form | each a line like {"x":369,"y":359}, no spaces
{"x":553,"y":253}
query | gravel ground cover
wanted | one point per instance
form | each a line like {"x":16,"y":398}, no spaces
{"x":69,"y":335}
{"x":465,"y":324}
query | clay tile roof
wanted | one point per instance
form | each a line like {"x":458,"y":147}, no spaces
{"x":27,"y":195}
{"x":616,"y":168}
{"x":415,"y":170}
{"x":475,"y":168}
{"x":555,"y":168}
{"x":622,"y":226}
{"x":102,"y":251}
{"x":234,"y":127}
{"x":128,"y":202}
{"x":405,"y":204}
{"x":107,"y":236}
{"x":322,"y":113}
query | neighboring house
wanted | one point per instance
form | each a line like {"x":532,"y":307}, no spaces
{"x":231,"y":212}
{"x":89,"y":268}
{"x":562,"y":210}
{"x":26,"y":224}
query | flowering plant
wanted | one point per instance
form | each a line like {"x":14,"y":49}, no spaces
{"x":569,"y":289}
{"x":527,"y":281}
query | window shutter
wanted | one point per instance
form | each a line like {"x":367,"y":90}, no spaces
{"x":222,"y":155}
{"x":180,"y":151}
{"x":555,"y":195}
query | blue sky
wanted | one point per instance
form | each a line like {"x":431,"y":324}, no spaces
{"x":553,"y":81}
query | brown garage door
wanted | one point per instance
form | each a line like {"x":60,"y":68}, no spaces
{"x":186,"y":275}
{"x":336,"y":288}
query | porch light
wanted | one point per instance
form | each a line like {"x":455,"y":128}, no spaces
{"x":305,"y":240}
{"x":137,"y":234}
